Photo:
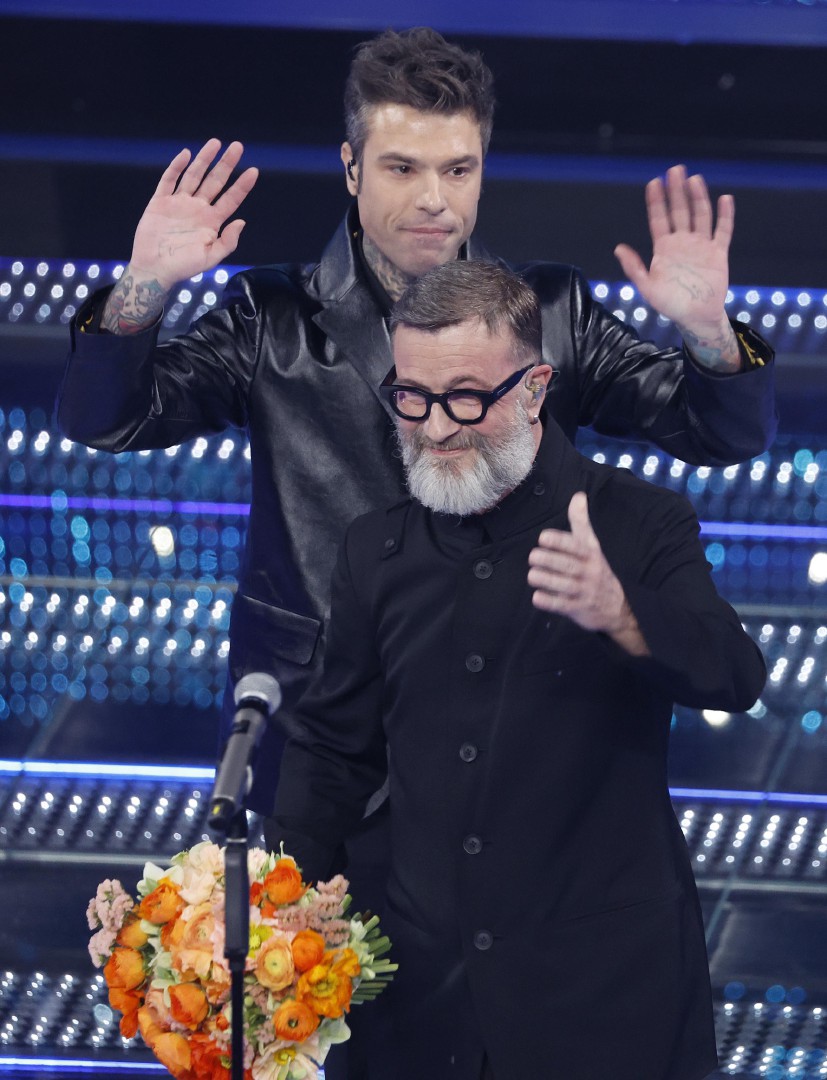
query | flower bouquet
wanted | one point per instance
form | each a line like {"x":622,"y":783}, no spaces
{"x":163,"y":961}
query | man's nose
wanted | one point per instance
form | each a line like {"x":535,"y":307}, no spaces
{"x":439,"y":426}
{"x":431,"y":196}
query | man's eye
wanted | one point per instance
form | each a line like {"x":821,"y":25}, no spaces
{"x":403,"y":170}
{"x":460,"y":170}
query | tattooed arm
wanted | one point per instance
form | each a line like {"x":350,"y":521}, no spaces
{"x":688,"y":278}
{"x":182,"y":233}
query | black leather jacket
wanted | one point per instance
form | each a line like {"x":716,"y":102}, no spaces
{"x":295,"y":355}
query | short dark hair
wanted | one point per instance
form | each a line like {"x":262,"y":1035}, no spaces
{"x":467,"y":290}
{"x":418,"y":68}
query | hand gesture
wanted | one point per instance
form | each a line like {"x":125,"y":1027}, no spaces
{"x":180,"y":233}
{"x":570,"y":576}
{"x":688,"y":278}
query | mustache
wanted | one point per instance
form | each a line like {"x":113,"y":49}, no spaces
{"x":461,"y":440}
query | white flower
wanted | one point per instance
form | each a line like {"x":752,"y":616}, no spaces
{"x":258,"y":863}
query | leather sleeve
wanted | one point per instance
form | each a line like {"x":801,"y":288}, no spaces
{"x":610,"y":380}
{"x":127,"y":392}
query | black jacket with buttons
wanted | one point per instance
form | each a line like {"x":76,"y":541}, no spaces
{"x":540,"y":899}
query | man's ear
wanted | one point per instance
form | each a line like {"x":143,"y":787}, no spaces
{"x":351,"y":168}
{"x":537,"y":380}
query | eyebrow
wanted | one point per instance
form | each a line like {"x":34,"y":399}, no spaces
{"x":454,"y":384}
{"x":407,"y":159}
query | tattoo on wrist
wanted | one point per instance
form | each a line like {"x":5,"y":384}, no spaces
{"x":718,"y":352}
{"x":133,"y":306}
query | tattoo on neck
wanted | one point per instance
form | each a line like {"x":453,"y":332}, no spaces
{"x":133,"y":306}
{"x":393,"y":280}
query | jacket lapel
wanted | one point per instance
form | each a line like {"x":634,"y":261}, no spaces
{"x":350,"y":317}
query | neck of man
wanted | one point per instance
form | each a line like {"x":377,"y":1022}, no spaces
{"x":393,"y":280}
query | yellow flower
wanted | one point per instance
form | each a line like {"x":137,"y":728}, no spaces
{"x":327,"y":987}
{"x":258,"y":935}
{"x":274,"y":963}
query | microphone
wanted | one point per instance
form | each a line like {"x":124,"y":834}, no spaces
{"x":256,"y":696}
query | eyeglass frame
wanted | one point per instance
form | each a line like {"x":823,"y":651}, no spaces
{"x":486,"y":398}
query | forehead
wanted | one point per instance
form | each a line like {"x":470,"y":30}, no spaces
{"x":467,"y":353}
{"x":405,"y":126}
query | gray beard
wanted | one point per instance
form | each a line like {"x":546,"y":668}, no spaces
{"x":453,"y":487}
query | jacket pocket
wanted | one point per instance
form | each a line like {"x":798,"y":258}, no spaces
{"x":262,"y":631}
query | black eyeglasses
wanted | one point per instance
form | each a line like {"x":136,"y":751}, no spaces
{"x":463,"y":406}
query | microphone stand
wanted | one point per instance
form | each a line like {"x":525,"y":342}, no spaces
{"x":237,"y":929}
{"x":257,"y":696}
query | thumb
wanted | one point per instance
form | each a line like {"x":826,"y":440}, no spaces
{"x":581,"y":526}
{"x":632,"y":265}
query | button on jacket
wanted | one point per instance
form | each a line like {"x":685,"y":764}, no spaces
{"x":540,"y":899}
{"x":295,"y":355}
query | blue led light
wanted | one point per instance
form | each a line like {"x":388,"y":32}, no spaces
{"x":811,"y":721}
{"x":177,"y":772}
{"x":64,"y":1065}
{"x":102,"y":770}
{"x":154,"y":506}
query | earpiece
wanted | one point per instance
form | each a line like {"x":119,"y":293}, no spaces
{"x":537,"y":390}
{"x":350,"y":165}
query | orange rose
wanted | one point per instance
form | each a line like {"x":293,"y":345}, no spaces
{"x":172,"y":932}
{"x":208,"y":1059}
{"x":188,"y":1004}
{"x":131,"y":933}
{"x":308,"y":949}
{"x":284,"y":885}
{"x":162,"y":904}
{"x":274,"y":963}
{"x":173,"y":1051}
{"x":124,"y":969}
{"x":127,"y":1002}
{"x":148,"y":1026}
{"x":295,"y":1021}
{"x":256,"y":891}
{"x":192,"y":950}
{"x":218,"y":985}
{"x":327,"y":987}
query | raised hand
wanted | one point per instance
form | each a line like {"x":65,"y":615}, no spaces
{"x":570,"y":576}
{"x":688,"y":278}
{"x":182,"y":232}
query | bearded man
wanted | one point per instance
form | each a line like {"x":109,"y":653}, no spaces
{"x":505,"y":648}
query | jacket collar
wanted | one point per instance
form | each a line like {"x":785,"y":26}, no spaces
{"x":350,"y":315}
{"x":541,"y":500}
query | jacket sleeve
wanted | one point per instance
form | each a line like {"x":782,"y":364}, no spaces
{"x":330,"y":771}
{"x":127,"y":392}
{"x":628,"y":388}
{"x":701,"y":656}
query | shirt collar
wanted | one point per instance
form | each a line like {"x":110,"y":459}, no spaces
{"x":544,"y":494}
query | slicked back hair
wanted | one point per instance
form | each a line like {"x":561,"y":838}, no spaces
{"x":466,"y":291}
{"x":418,"y":68}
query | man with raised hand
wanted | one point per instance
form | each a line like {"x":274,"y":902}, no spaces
{"x":294,"y":353}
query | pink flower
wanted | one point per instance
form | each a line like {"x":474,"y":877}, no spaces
{"x":101,"y":945}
